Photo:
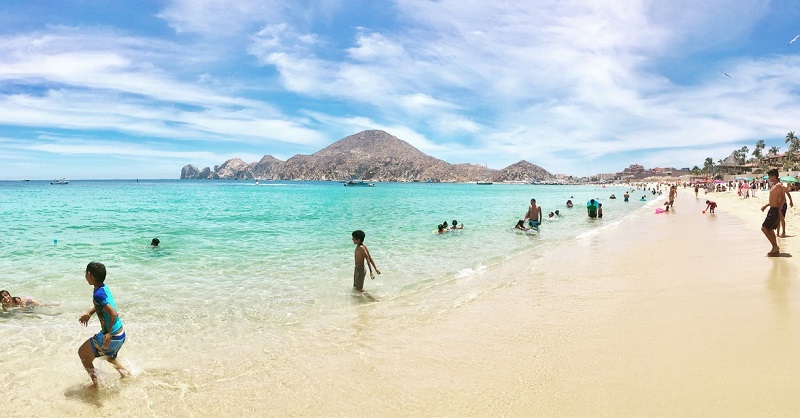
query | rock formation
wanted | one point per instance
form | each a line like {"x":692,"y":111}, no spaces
{"x":369,"y":155}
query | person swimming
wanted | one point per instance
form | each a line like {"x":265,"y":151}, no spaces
{"x":456,"y":225}
{"x":154,"y":243}
{"x":15,"y":301}
{"x":569,"y":203}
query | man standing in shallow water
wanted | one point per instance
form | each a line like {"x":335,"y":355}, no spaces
{"x":777,"y":198}
{"x":534,"y":215}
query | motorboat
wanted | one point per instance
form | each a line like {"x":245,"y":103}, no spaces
{"x":358,"y":183}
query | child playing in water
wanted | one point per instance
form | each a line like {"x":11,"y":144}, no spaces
{"x":710,"y":206}
{"x":9,"y":301}
{"x":361,"y":255}
{"x":109,"y":340}
{"x":521,"y":226}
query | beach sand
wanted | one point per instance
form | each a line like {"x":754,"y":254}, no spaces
{"x":677,"y":314}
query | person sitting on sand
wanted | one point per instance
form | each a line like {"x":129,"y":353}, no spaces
{"x":521,"y":226}
{"x":9,"y":301}
{"x":456,"y":225}
{"x":710,"y":206}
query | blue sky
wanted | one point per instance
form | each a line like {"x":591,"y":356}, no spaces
{"x":138,"y":89}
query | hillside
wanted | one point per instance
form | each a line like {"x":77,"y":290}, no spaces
{"x":369,"y":155}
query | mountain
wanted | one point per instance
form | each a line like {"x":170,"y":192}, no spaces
{"x":369,"y":155}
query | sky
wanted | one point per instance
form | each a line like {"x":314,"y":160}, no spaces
{"x":98,"y":89}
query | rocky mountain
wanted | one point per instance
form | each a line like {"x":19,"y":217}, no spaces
{"x":369,"y":155}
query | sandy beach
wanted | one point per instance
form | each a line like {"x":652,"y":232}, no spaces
{"x":677,"y":314}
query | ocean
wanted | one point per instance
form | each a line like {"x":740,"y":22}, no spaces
{"x":249,"y":268}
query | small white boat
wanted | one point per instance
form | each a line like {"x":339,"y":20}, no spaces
{"x":59,"y":182}
{"x":358,"y":183}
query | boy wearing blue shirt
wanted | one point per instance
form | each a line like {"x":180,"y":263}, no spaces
{"x":109,"y":340}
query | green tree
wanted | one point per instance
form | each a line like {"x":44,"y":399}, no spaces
{"x":695,"y":170}
{"x":758,"y":152}
{"x":708,"y":165}
{"x":773,"y":151}
{"x":791,"y":153}
{"x":742,"y":155}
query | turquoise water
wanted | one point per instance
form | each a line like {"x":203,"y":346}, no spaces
{"x":249,"y":270}
{"x":276,"y":251}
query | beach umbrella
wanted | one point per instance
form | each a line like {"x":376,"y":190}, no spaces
{"x":749,"y":179}
{"x":789,"y":179}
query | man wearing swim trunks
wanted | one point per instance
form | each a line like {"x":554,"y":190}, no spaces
{"x":784,"y":208}
{"x":777,"y":198}
{"x":534,"y":215}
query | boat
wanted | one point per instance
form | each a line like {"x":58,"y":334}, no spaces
{"x":59,"y":182}
{"x":358,"y":183}
{"x":484,"y":183}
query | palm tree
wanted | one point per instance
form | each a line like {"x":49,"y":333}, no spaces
{"x":794,"y":147}
{"x":695,"y":170}
{"x":773,"y":151}
{"x":757,"y":152}
{"x":742,"y":155}
{"x":708,"y":165}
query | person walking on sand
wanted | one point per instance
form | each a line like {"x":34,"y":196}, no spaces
{"x":784,"y":208}
{"x":362,"y":255}
{"x":534,"y":215}
{"x":776,"y":199}
{"x":109,"y":340}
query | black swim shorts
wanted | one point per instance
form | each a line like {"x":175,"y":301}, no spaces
{"x":359,"y":273}
{"x":772,"y":220}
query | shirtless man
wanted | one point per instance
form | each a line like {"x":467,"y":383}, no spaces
{"x":777,"y":197}
{"x":534,"y":215}
{"x":784,"y":208}
{"x":673,"y":191}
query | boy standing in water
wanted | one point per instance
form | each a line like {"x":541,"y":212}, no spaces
{"x":361,"y":255}
{"x":109,"y":340}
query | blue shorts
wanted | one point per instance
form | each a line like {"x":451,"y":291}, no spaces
{"x":113,"y":347}
{"x":533,"y":223}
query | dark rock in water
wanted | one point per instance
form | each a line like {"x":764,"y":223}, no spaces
{"x":369,"y":155}
{"x":189,"y":172}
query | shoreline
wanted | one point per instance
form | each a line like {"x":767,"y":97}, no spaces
{"x":583,"y":331}
{"x":663,"y":315}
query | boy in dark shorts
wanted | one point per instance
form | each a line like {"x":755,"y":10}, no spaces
{"x":777,"y":198}
{"x":109,"y":340}
{"x":361,"y":255}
